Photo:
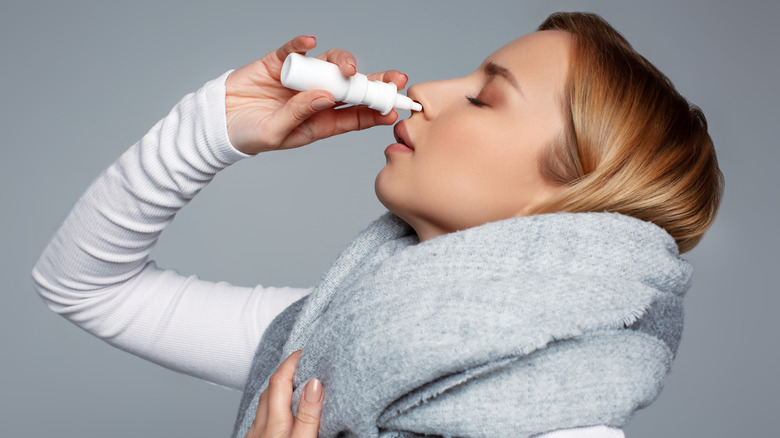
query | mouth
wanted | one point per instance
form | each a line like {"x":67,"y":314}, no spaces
{"x":402,"y":135}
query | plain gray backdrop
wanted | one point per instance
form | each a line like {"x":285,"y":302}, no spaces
{"x":82,"y":81}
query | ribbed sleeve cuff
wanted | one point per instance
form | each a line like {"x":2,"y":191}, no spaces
{"x":212,"y":97}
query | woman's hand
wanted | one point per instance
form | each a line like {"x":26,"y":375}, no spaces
{"x":274,"y":415}
{"x":263,"y":115}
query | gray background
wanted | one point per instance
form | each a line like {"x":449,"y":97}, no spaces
{"x":82,"y":81}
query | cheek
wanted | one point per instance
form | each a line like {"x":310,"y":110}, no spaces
{"x":447,"y":160}
{"x":468,"y":168}
{"x":491,"y":173}
{"x":489,"y":158}
{"x":514,"y":148}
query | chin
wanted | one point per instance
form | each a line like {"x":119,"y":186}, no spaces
{"x":390,"y":193}
{"x":383,"y":189}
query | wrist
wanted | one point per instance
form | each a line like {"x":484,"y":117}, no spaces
{"x":216,"y":121}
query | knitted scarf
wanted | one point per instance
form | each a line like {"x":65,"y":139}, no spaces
{"x":512,"y":328}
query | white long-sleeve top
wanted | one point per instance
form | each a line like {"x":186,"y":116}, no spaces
{"x":95,"y":271}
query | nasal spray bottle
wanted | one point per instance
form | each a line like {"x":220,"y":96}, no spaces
{"x":303,"y":73}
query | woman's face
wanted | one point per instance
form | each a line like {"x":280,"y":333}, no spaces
{"x":473,"y":154}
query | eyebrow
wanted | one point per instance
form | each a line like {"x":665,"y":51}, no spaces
{"x":493,"y":69}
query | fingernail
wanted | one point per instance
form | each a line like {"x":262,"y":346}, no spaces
{"x":313,"y":391}
{"x":322,"y":103}
{"x":352,"y":63}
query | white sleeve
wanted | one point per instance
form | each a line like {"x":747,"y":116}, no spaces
{"x":96,"y":273}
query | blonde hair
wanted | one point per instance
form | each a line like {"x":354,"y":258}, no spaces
{"x":633,"y":144}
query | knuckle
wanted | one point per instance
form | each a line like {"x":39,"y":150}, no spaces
{"x":310,"y":130}
{"x":277,"y":430}
{"x":366,"y":121}
{"x":277,"y":380}
{"x":297,"y":112}
{"x":307,"y":416}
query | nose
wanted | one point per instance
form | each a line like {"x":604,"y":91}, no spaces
{"x":433,"y":96}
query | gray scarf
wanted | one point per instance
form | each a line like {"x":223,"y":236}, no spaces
{"x":511,"y":328}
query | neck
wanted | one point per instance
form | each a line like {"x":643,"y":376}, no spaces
{"x":426,"y":230}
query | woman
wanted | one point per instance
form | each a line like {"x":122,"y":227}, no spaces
{"x":466,"y":288}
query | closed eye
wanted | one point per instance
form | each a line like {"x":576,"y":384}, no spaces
{"x":475,"y":101}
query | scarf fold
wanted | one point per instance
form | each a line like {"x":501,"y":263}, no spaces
{"x":512,"y":328}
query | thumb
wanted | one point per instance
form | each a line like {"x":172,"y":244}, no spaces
{"x":297,"y":110}
{"x":307,"y":419}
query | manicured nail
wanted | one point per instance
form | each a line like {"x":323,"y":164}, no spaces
{"x":322,"y":103}
{"x":313,"y":391}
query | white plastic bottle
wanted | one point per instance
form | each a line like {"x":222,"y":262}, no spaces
{"x":304,"y":73}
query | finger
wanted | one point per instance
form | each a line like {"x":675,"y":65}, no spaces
{"x":357,"y":118}
{"x":273,"y":60}
{"x":394,"y":76}
{"x":343,"y":59}
{"x":295,"y":111}
{"x":307,"y":419}
{"x":261,"y":416}
{"x":333,"y":122}
{"x":300,"y":44}
{"x":280,"y":389}
{"x":258,"y":424}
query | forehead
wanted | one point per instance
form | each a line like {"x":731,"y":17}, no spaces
{"x":537,"y":59}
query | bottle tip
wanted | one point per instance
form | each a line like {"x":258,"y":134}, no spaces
{"x":405,"y":103}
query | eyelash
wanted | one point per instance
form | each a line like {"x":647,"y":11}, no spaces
{"x":474,"y":101}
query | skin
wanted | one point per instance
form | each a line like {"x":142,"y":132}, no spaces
{"x":261,"y":116}
{"x":477,"y":162}
{"x":274,"y":417}
{"x":476,"y":144}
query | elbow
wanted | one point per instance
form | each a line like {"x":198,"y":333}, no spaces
{"x":47,"y":288}
{"x":83,"y":306}
{"x":60,"y":292}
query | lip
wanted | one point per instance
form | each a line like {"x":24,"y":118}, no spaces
{"x":402,"y":135}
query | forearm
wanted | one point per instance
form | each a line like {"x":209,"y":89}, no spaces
{"x":95,"y":270}
{"x":112,"y":228}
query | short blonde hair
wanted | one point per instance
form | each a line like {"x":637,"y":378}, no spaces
{"x":633,"y":144}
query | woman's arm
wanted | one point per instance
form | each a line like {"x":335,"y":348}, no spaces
{"x":95,"y":270}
